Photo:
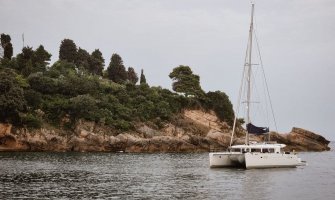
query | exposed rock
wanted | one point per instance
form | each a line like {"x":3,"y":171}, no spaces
{"x":196,"y":131}
{"x":5,"y":129}
{"x":208,"y":119}
{"x":147,"y":132}
{"x":220,"y":137}
{"x":304,"y":140}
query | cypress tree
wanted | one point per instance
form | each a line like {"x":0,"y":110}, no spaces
{"x":68,"y":50}
{"x":97,"y":62}
{"x":116,"y":70}
{"x":7,"y":46}
{"x":83,"y":59}
{"x":142,"y":79}
{"x":41,"y":58}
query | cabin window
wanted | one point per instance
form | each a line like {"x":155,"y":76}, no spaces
{"x":245,"y":150}
{"x":255,"y":150}
{"x":268,"y":151}
{"x":236,"y":150}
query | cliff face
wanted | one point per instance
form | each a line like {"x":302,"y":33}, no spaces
{"x":195,"y":131}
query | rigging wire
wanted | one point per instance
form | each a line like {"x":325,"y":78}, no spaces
{"x":241,"y":91}
{"x":265,"y":97}
{"x":266,"y":84}
{"x":264,"y":77}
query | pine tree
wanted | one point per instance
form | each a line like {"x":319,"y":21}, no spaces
{"x":185,"y":81}
{"x":116,"y":70}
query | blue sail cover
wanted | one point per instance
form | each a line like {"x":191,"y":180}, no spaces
{"x":252,"y":129}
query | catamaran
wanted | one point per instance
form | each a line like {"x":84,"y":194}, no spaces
{"x":252,"y":154}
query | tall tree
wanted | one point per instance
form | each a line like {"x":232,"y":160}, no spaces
{"x":132,"y":75}
{"x":116,"y":70}
{"x":143,"y":80}
{"x":83,"y":59}
{"x":97,"y":62}
{"x":68,"y":50}
{"x":185,"y":81}
{"x":30,"y":61}
{"x":41,"y":58}
{"x":7,"y":46}
{"x":25,"y":61}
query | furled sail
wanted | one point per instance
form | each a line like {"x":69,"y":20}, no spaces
{"x":252,"y":129}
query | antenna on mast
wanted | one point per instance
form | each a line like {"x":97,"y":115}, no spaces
{"x":22,"y":40}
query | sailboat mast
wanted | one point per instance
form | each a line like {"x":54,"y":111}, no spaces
{"x":249,"y":71}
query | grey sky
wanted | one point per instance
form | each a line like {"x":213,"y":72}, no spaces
{"x":296,"y":38}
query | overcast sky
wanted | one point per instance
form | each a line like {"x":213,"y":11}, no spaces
{"x":296,"y":40}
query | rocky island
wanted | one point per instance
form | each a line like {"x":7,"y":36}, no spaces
{"x":76,"y":104}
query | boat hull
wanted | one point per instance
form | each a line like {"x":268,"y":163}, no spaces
{"x":226,"y":159}
{"x":253,"y":160}
{"x":271,"y":160}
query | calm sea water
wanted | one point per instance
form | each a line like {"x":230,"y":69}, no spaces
{"x":158,"y":176}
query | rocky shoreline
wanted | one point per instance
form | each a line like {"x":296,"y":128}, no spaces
{"x":195,"y":131}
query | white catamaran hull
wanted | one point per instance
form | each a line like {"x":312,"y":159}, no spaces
{"x":271,"y":160}
{"x":226,"y":159}
{"x":253,"y":160}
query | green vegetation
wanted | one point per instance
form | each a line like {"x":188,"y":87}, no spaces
{"x":76,"y":87}
{"x":116,"y":70}
{"x":185,"y":81}
{"x":143,"y":80}
{"x":6,"y":46}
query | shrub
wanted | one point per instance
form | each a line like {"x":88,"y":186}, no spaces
{"x":31,"y":121}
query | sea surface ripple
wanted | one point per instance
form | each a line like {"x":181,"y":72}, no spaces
{"x":45,"y":175}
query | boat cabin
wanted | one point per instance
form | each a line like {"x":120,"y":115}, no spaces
{"x":259,"y":148}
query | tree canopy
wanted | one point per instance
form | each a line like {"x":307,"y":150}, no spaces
{"x":185,"y":81}
{"x":41,"y":58}
{"x":143,"y":80}
{"x":97,"y":62}
{"x":29,"y":60}
{"x":132,"y":75}
{"x":83,"y":59}
{"x":7,"y":46}
{"x":68,"y":50}
{"x":220,"y":103}
{"x":11,"y":96}
{"x":32,"y":92}
{"x":116,"y":70}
